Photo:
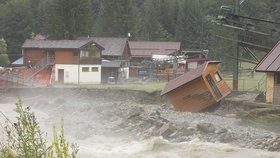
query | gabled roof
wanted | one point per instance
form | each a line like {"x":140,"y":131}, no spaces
{"x":113,"y":46}
{"x":57,"y":44}
{"x":186,"y":78}
{"x":271,"y":61}
{"x":148,"y":48}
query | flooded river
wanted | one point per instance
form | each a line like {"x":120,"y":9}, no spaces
{"x":92,"y":125}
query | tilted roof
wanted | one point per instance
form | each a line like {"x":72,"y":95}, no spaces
{"x":271,"y":61}
{"x":186,"y":77}
{"x":113,"y":46}
{"x":56,"y":44}
{"x":148,"y":48}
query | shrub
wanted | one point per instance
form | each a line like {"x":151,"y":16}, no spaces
{"x":24,"y":138}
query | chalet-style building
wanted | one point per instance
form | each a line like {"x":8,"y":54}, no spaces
{"x":270,"y":64}
{"x":116,"y":57}
{"x":65,"y":61}
{"x":197,"y":89}
{"x":141,"y":50}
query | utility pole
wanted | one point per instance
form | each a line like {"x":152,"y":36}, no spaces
{"x":236,"y":54}
{"x":175,"y":66}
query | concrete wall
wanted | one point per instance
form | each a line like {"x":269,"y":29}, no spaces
{"x":71,"y":74}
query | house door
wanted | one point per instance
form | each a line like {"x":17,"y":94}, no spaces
{"x":61,"y":75}
{"x":213,"y":86}
{"x":276,"y":92}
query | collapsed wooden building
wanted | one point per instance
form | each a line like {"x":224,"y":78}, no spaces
{"x":197,"y":89}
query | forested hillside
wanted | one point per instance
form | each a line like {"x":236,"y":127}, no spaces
{"x":188,"y":21}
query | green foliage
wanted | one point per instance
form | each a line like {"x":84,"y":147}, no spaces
{"x":187,"y":21}
{"x":60,"y":145}
{"x":4,"y":60}
{"x":116,"y":18}
{"x":64,"y":19}
{"x":15,"y":25}
{"x":24,"y":138}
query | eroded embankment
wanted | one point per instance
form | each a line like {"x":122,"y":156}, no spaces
{"x":141,"y":97}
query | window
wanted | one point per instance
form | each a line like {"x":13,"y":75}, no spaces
{"x":85,"y":69}
{"x":218,"y":77}
{"x":94,"y":69}
{"x":84,"y":53}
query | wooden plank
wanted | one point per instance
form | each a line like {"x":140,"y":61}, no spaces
{"x":192,"y":97}
{"x":269,"y":87}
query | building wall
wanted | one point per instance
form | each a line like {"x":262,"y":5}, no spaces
{"x":65,"y":57}
{"x":192,"y":97}
{"x":221,"y":85}
{"x":33,"y":55}
{"x":269,"y":87}
{"x":71,"y":74}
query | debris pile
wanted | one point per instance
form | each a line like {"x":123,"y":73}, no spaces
{"x":149,"y":120}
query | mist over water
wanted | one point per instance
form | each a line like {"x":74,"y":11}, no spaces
{"x":95,"y":124}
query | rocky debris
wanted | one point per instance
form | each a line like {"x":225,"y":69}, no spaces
{"x":134,"y":113}
{"x":127,"y":113}
{"x":261,"y":98}
{"x":205,"y":127}
{"x":225,"y":137}
{"x":275,"y":144}
{"x":166,"y":130}
{"x":146,"y":121}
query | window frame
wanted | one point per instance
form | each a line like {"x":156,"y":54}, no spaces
{"x":218,"y":77}
{"x":97,"y":69}
{"x":84,"y":69}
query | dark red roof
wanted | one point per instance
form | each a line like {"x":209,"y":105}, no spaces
{"x":271,"y":61}
{"x":186,"y":78}
{"x":149,"y":48}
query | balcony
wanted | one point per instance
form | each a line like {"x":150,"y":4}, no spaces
{"x":90,"y":60}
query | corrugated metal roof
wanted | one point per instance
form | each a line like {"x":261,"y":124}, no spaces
{"x":148,"y":48}
{"x":271,"y":61}
{"x":113,"y":46}
{"x":186,"y":78}
{"x":55,"y":44}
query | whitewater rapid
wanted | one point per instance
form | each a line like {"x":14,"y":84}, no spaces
{"x":86,"y":125}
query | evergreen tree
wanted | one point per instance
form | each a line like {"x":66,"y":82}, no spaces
{"x":95,"y":9}
{"x":168,"y":13}
{"x":36,"y":15}
{"x":4,"y":60}
{"x":15,"y":25}
{"x":152,"y":28}
{"x":192,"y":27}
{"x":67,"y":19}
{"x":116,"y":18}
